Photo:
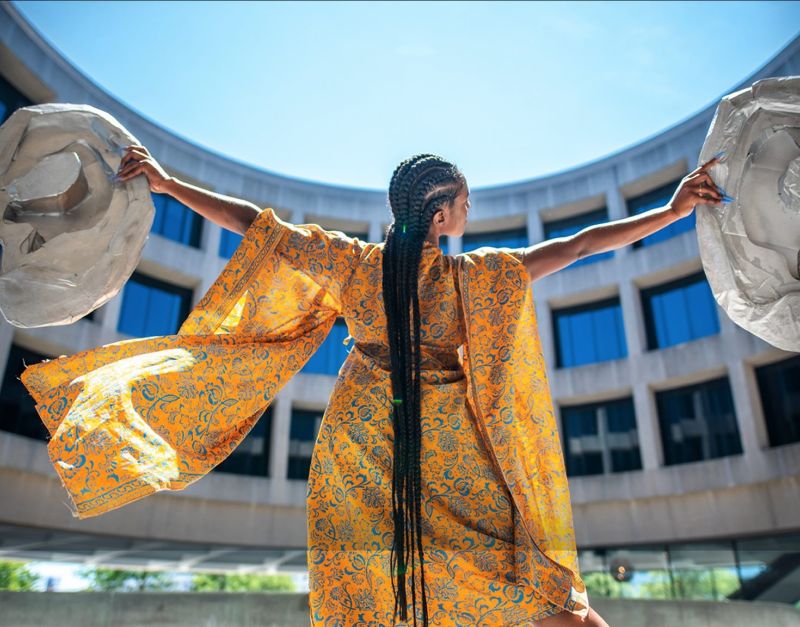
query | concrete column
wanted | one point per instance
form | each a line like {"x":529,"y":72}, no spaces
{"x":375,"y":232}
{"x":6,"y":339}
{"x":749,"y":417}
{"x":647,"y":427}
{"x":632,"y":317}
{"x":279,"y":446}
{"x":211,"y":239}
{"x":109,"y":313}
{"x":454,"y":245}
{"x":297,"y":216}
{"x":535,"y":227}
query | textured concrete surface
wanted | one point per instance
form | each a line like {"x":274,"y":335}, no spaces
{"x":157,"y":609}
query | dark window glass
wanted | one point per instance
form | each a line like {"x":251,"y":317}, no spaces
{"x":332,"y":352}
{"x":151,"y":307}
{"x":228,"y":243}
{"x":17,"y":407}
{"x":779,"y":389}
{"x":571,"y":225}
{"x":176,"y":221}
{"x":251,"y":457}
{"x":658,"y":198}
{"x":11,"y":99}
{"x":507,"y":238}
{"x":302,"y":436}
{"x":600,"y":437}
{"x":589,"y":333}
{"x":679,"y":311}
{"x":698,"y":422}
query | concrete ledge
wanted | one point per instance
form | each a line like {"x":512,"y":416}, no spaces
{"x":289,"y":609}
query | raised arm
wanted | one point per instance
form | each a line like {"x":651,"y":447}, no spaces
{"x":228,"y":212}
{"x":551,"y":255}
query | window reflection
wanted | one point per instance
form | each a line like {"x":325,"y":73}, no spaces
{"x":698,"y":422}
{"x":659,"y":197}
{"x":506,"y":238}
{"x":152,"y":307}
{"x":574,"y":224}
{"x":302,"y":436}
{"x":679,"y":311}
{"x":589,"y":333}
{"x":779,"y":390}
{"x":176,"y":221}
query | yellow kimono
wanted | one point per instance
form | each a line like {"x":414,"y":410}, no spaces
{"x":131,"y":418}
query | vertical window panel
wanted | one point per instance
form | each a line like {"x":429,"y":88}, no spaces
{"x":330,"y":356}
{"x":659,"y":197}
{"x":11,"y":99}
{"x":251,"y":457}
{"x":698,"y":422}
{"x":506,"y":238}
{"x":151,"y":307}
{"x":589,"y":333}
{"x":17,"y":407}
{"x":779,"y":389}
{"x":302,"y":436}
{"x":176,"y":221}
{"x":228,"y":243}
{"x":574,"y":224}
{"x":679,"y":311}
{"x":600,"y":438}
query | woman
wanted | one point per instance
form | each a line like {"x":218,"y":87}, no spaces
{"x":448,"y":461}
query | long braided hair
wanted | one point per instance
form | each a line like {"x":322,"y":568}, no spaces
{"x":420,"y":186}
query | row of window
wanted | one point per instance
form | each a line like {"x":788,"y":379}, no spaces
{"x":696,"y":422}
{"x":674,"y":312}
{"x":176,"y":221}
{"x":678,"y":311}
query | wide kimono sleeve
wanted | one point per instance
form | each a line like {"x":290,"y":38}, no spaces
{"x":138,"y":416}
{"x":508,"y":388}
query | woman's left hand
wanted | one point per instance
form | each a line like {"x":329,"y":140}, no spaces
{"x":697,"y":187}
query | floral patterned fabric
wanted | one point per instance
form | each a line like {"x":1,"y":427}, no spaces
{"x":135,"y":417}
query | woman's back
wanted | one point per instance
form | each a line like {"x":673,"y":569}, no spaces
{"x":441,"y":326}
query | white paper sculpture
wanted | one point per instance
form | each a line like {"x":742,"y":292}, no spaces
{"x":750,"y":248}
{"x":71,"y":235}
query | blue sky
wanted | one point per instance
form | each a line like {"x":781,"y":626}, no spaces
{"x":340,"y":92}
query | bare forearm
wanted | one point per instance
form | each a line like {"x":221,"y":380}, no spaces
{"x":228,"y":212}
{"x":600,"y":238}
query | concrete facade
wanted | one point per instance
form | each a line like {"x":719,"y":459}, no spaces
{"x":752,"y":493}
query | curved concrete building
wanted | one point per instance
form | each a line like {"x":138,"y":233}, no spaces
{"x":681,"y":430}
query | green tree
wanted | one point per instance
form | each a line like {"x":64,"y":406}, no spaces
{"x":708,"y":583}
{"x":213,"y":582}
{"x":602,"y":584}
{"x":16,"y":576}
{"x":109,"y":579}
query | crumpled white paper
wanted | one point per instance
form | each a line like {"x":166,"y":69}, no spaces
{"x":71,"y":234}
{"x":750,"y":248}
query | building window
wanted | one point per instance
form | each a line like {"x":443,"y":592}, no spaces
{"x":302,"y":436}
{"x":151,"y":307}
{"x":698,"y":422}
{"x":251,"y":457}
{"x":779,"y":389}
{"x":600,"y":438}
{"x":589,"y":333}
{"x":228,"y":243}
{"x":17,"y":407}
{"x":679,"y":311}
{"x":659,"y":198}
{"x":507,"y":238}
{"x":176,"y":221}
{"x":571,"y":225}
{"x":11,"y":99}
{"x":331,"y":354}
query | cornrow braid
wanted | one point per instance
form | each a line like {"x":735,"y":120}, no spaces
{"x":420,"y":186}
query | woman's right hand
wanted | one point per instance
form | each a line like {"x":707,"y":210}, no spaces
{"x":138,"y":160}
